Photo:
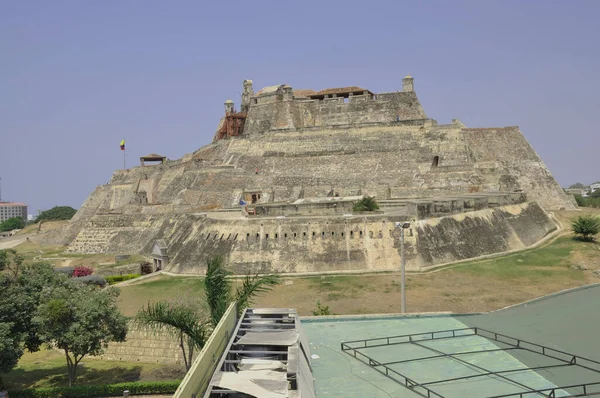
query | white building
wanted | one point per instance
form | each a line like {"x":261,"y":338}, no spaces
{"x":11,"y":210}
{"x":594,"y":186}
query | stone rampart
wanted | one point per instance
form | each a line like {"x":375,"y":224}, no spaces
{"x":274,"y":112}
{"x":144,"y":345}
{"x":319,"y":244}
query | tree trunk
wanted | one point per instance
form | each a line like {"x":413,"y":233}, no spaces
{"x":69,"y":368}
{"x":190,"y":351}
{"x":182,"y":345}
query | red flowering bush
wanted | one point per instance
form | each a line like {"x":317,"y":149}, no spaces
{"x":82,"y":271}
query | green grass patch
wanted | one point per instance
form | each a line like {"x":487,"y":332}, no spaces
{"x":544,"y":262}
{"x":338,"y":283}
{"x":48,"y":368}
{"x":138,"y":295}
{"x":121,"y":278}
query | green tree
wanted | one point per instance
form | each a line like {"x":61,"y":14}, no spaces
{"x":11,"y":260}
{"x":585,"y":227}
{"x":12,"y":223}
{"x":367,"y":203}
{"x":219,"y":292}
{"x":80,"y":320}
{"x":57,"y":213}
{"x":182,"y":320}
{"x":580,"y":200}
{"x":11,"y":348}
{"x":20,"y":295}
{"x":595,"y":194}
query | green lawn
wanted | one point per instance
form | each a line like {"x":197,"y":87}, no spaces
{"x":47,"y":368}
{"x":547,"y":261}
{"x":135,"y":296}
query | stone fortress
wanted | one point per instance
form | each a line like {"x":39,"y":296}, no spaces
{"x":300,"y":159}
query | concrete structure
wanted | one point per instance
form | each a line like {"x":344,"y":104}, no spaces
{"x":153,"y":157}
{"x":12,"y":210}
{"x":159,"y":255}
{"x":300,"y":158}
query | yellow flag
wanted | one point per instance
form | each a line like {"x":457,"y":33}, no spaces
{"x":122,"y":145}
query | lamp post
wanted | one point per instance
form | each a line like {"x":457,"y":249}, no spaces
{"x":402,"y":226}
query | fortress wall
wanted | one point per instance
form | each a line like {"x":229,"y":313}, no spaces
{"x":519,"y":164}
{"x":317,"y":244}
{"x":147,"y":346}
{"x":273,"y":113}
{"x":479,"y":233}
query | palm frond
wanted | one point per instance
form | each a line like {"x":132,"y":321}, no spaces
{"x":175,"y":319}
{"x":218,"y":288}
{"x":252,"y":286}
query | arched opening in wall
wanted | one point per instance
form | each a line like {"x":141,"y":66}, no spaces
{"x":257,"y":236}
{"x":351,"y":234}
{"x":436,"y":161}
{"x":313,"y":233}
{"x":295,"y":235}
{"x":266,"y":236}
{"x":247,"y":235}
{"x":284,"y":236}
{"x":342,"y":234}
{"x":332,"y":233}
{"x":276,"y":235}
{"x":361,"y":234}
{"x":322,"y":234}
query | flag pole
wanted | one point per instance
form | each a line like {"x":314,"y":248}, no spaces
{"x":124,"y":167}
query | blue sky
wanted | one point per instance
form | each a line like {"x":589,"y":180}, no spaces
{"x":78,"y":76}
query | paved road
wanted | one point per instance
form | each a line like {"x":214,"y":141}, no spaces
{"x":9,"y":243}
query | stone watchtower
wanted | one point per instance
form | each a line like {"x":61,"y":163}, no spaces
{"x":246,"y":95}
{"x":228,"y":106}
{"x":408,"y":84}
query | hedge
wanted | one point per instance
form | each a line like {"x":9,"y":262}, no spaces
{"x":120,"y":278}
{"x":105,"y":390}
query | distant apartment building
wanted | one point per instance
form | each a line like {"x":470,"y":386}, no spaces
{"x":595,"y":186}
{"x":11,"y":210}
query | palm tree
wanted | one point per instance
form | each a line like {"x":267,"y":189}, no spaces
{"x":219,"y":292}
{"x":587,"y":226}
{"x":367,"y":203}
{"x":184,"y":321}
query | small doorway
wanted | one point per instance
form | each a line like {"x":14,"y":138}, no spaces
{"x":436,"y":161}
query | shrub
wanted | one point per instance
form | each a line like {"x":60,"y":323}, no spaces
{"x":367,"y":203}
{"x":12,"y":223}
{"x":92,"y":280}
{"x":106,"y":390}
{"x":82,"y":271}
{"x":580,"y":200}
{"x":120,"y":278}
{"x":585,"y":227}
{"x":68,"y":271}
{"x":322,"y":310}
{"x":145,"y":268}
{"x":57,"y":213}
